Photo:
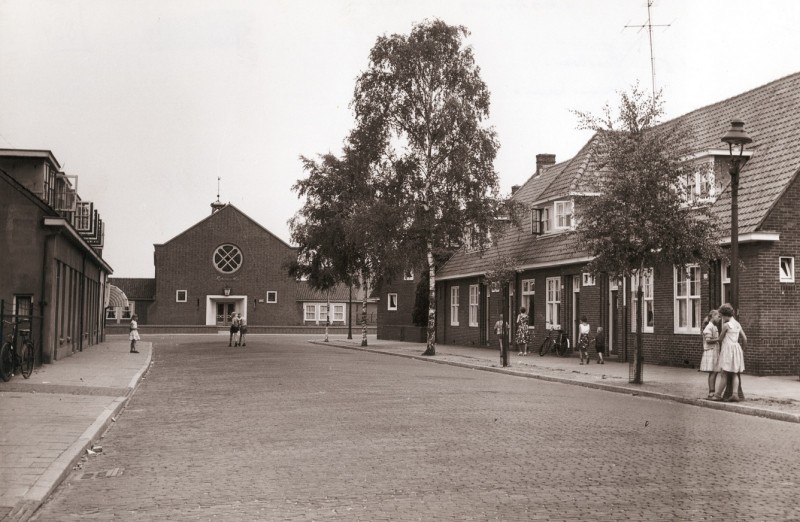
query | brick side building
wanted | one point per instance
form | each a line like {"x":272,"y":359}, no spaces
{"x":552,"y":283}
{"x":51,"y":269}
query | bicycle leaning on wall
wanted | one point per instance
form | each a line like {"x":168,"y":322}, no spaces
{"x":12,"y":358}
{"x":556,"y":341}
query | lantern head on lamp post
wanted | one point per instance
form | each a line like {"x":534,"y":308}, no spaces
{"x":736,"y":138}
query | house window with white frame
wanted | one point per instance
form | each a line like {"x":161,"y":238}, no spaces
{"x":318,"y":312}
{"x":391,"y":302}
{"x":725,"y":282}
{"x":700,"y":184}
{"x":553,"y":295}
{"x":527,"y":294}
{"x":453,"y":306}
{"x":588,"y":279}
{"x":474,"y":294}
{"x":786,"y":269}
{"x":648,"y":312}
{"x":180,"y":296}
{"x":338,"y":313}
{"x":687,"y":300}
{"x":408,"y":275}
{"x":272,"y":296}
{"x":563,"y":214}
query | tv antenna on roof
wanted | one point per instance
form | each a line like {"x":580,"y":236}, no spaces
{"x":650,"y":26}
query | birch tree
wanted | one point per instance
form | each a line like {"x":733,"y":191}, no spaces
{"x":421,"y":113}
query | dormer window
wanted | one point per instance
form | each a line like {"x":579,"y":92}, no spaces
{"x":564,"y":217}
{"x":540,"y":220}
{"x":700,"y":184}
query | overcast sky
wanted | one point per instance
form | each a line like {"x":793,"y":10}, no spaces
{"x":148,"y":102}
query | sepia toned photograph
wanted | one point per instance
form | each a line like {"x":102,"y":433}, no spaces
{"x":373,"y":260}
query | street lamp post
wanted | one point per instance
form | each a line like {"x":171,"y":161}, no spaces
{"x":736,"y":138}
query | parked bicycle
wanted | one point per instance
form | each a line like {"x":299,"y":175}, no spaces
{"x":556,"y":341}
{"x":11,"y":358}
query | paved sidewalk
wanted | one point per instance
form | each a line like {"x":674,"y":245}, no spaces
{"x":49,"y":420}
{"x":772,"y":397}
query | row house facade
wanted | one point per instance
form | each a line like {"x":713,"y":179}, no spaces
{"x":52,"y":272}
{"x":551,"y":281}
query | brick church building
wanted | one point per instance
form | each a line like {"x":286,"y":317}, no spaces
{"x":229,"y":264}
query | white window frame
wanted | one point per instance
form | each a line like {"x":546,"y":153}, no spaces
{"x":111,"y":313}
{"x":474,"y":296}
{"x":454,"y":305}
{"x":553,"y":304}
{"x":178,"y":296}
{"x":588,"y":279}
{"x":273,"y":294}
{"x":725,"y":281}
{"x":687,"y":290}
{"x":528,"y":292}
{"x":547,"y":225}
{"x":338,"y":313}
{"x":391,"y":301}
{"x":786,"y":270}
{"x":647,"y":289}
{"x":309,"y":307}
{"x":408,"y":275}
{"x":564,"y":215}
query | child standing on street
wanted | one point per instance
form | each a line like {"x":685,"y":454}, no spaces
{"x":242,"y":330}
{"x":134,"y":335}
{"x":498,"y":330}
{"x":600,"y":345}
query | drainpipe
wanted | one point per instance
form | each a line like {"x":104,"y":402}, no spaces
{"x":48,"y":240}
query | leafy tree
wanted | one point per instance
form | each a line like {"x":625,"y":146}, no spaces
{"x":639,"y":216}
{"x":421,"y":110}
{"x":342,"y":230}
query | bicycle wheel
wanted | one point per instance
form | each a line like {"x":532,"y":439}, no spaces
{"x":26,"y":360}
{"x":546,"y":346}
{"x":6,"y":362}
{"x":563,"y":346}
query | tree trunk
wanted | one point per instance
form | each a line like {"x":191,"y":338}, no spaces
{"x":430,"y":349}
{"x":327,"y":313}
{"x":364,"y":296}
{"x":637,"y":355}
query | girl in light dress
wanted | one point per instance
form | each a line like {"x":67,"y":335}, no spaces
{"x":731,"y":356}
{"x":710,"y":359}
{"x":134,"y":335}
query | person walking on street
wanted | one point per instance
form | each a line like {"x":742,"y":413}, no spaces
{"x":583,"y":339}
{"x":234,"y":330}
{"x":498,"y":330}
{"x":731,"y":356}
{"x":522,"y":331}
{"x":134,"y":333}
{"x":710,"y":361}
{"x":600,"y":345}
{"x":242,"y":330}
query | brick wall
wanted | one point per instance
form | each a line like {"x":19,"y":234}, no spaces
{"x":185,"y":263}
{"x":393,"y":324}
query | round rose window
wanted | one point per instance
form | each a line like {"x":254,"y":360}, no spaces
{"x":227,"y":258}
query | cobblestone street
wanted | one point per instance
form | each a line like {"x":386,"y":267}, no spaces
{"x":286,"y":430}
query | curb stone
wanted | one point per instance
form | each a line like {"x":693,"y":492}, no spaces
{"x":62,"y":466}
{"x":703,"y":403}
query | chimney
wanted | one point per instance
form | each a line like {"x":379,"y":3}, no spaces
{"x":543,"y":161}
{"x":514,"y":189}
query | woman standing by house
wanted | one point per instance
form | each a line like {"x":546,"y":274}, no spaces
{"x":731,"y":356}
{"x":710,"y":360}
{"x":583,"y":338}
{"x":522,"y":331}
